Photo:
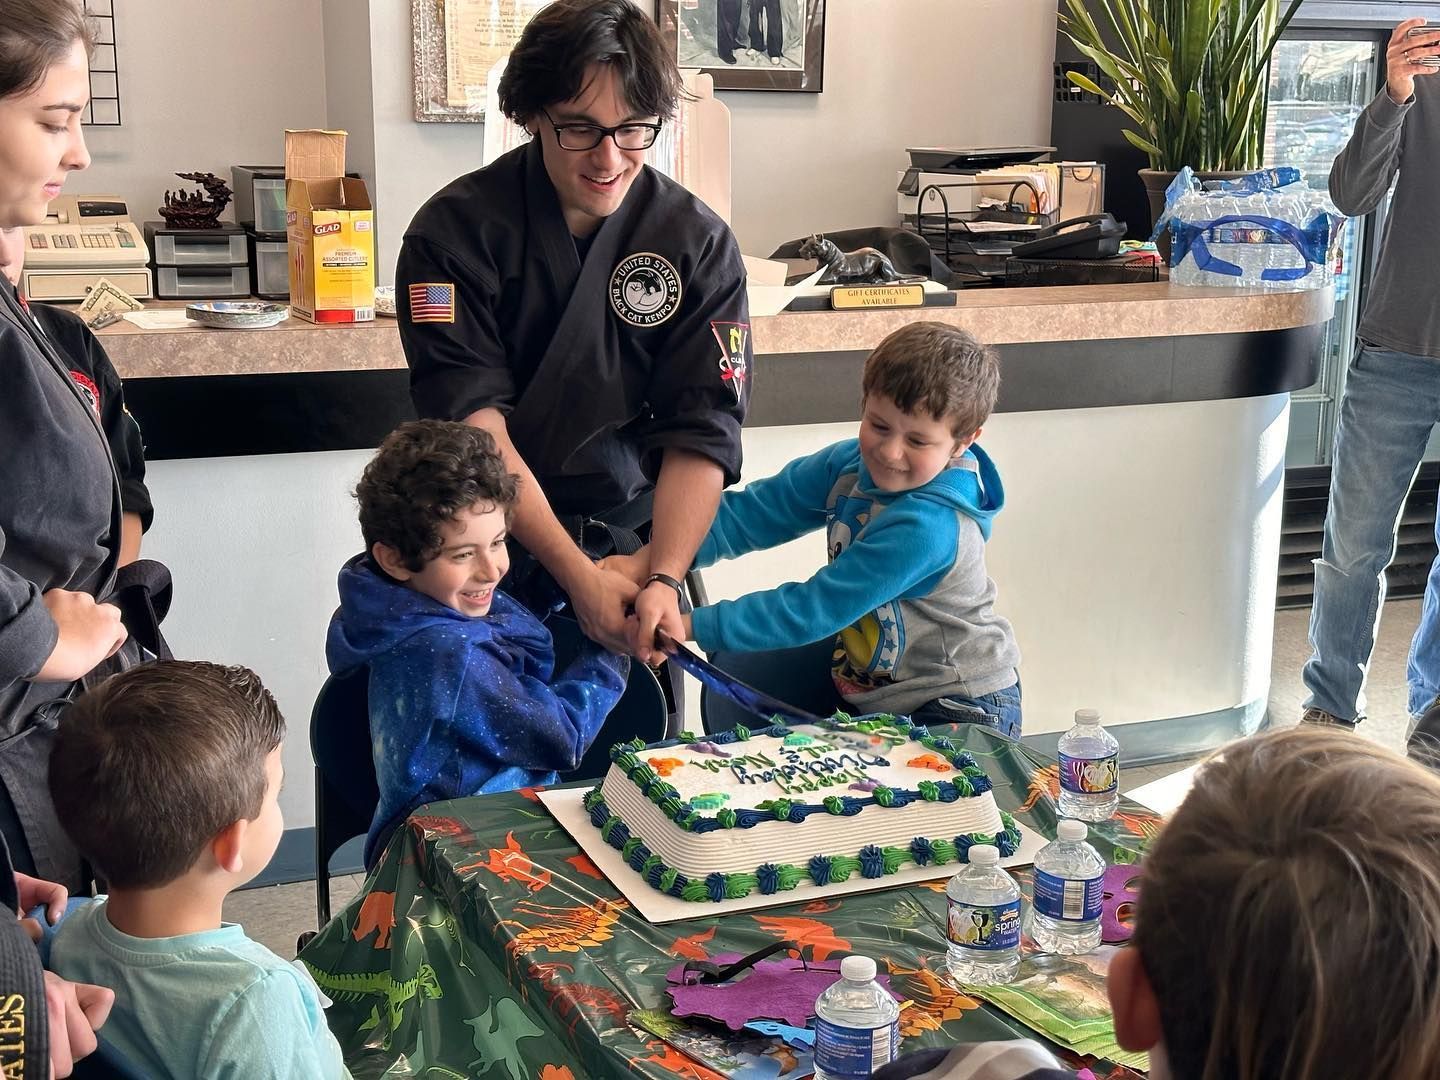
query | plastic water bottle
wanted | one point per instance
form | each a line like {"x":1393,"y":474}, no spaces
{"x":1069,"y":888}
{"x":1089,"y":769}
{"x":857,"y":1027}
{"x":984,"y":921}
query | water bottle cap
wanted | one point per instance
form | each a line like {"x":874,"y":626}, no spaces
{"x":984,"y":855}
{"x":857,"y":969}
{"x":1070,"y":829}
{"x":1087,"y":716}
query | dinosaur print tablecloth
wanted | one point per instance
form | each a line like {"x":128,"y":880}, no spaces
{"x":485,"y":944}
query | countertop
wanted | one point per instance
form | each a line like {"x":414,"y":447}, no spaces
{"x":997,"y":316}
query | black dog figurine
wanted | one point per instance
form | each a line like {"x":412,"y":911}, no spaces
{"x":863,"y":266}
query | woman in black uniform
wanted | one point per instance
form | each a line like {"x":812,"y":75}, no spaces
{"x":60,"y":501}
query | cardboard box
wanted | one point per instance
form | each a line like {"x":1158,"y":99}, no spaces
{"x":330,"y":229}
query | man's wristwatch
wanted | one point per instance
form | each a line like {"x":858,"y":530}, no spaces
{"x":666,"y":579}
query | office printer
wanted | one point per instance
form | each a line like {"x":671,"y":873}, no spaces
{"x":939,"y":165}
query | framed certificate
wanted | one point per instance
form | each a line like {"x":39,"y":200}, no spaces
{"x":458,"y":44}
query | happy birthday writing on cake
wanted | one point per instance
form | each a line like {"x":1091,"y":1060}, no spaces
{"x":812,"y":767}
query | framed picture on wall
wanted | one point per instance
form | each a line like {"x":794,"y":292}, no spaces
{"x":458,"y":44}
{"x":750,"y":44}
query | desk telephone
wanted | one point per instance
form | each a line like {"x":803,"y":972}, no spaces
{"x":1094,"y":236}
{"x":85,"y":238}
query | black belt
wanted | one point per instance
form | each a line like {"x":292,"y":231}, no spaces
{"x":612,"y":532}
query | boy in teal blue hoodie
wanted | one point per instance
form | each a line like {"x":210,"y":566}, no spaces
{"x":907,"y":508}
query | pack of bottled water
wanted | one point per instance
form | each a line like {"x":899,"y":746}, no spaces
{"x":1265,"y":230}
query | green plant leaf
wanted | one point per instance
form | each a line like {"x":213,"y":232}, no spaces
{"x":1149,"y":147}
{"x":1202,"y":67}
{"x":1090,"y":87}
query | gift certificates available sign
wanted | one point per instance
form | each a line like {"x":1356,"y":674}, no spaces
{"x":844,"y":297}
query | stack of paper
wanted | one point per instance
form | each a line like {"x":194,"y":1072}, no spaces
{"x":1039,"y":190}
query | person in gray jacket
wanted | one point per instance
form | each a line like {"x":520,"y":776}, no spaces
{"x":1392,"y":394}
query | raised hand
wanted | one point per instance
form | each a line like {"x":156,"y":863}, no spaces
{"x":1402,"y":58}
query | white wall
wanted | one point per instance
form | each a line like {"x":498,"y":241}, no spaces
{"x":204,"y":85}
{"x":412,"y":161}
{"x":348,"y":101}
{"x":255,"y":544}
{"x":897,"y":73}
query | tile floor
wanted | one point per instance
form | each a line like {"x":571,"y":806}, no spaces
{"x":277,"y":915}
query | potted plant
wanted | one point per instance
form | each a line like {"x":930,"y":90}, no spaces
{"x":1192,"y":75}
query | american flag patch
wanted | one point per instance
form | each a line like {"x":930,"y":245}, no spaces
{"x":432,"y":302}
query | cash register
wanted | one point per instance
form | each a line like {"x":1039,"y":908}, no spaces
{"x":85,"y":238}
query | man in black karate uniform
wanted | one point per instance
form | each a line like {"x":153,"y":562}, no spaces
{"x":590,"y":314}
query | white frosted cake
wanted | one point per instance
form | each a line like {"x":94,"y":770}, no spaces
{"x":767,"y":811}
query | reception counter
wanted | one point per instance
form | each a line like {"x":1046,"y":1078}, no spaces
{"x":1140,"y":435}
{"x":300,"y":387}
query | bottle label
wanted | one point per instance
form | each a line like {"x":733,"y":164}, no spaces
{"x":992,"y":927}
{"x":1089,"y":776}
{"x":1070,"y":899}
{"x":1243,"y":234}
{"x":846,"y":1051}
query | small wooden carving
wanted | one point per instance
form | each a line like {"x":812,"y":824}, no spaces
{"x":196,"y":209}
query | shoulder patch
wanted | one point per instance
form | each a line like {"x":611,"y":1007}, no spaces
{"x":645,"y":289}
{"x":733,"y":337}
{"x":432,"y":301}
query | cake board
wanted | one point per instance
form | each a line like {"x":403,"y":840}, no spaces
{"x":566,"y":805}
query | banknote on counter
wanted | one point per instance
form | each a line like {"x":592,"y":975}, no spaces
{"x":106,"y":298}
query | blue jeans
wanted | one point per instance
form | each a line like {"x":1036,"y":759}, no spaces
{"x":1391,"y":403}
{"x":1000,"y":710}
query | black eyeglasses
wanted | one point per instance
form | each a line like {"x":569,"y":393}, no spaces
{"x":589,"y":136}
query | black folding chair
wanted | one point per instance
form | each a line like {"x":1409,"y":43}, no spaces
{"x":346,"y":793}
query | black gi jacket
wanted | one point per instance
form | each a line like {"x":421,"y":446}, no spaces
{"x":599,"y":367}
{"x":59,"y":528}
{"x":99,"y":383}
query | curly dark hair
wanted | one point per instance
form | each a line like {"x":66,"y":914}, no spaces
{"x":548,"y":63}
{"x":424,"y":473}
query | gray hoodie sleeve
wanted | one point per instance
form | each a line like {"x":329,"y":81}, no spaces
{"x":27,"y":632}
{"x":1363,"y":171}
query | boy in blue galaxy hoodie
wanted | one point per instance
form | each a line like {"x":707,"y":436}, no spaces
{"x":463,"y":698}
{"x":907,"y":508}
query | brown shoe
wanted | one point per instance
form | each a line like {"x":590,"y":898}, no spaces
{"x":1321,"y":718}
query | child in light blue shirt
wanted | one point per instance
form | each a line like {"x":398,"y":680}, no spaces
{"x":210,"y":1004}
{"x":167,"y":778}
